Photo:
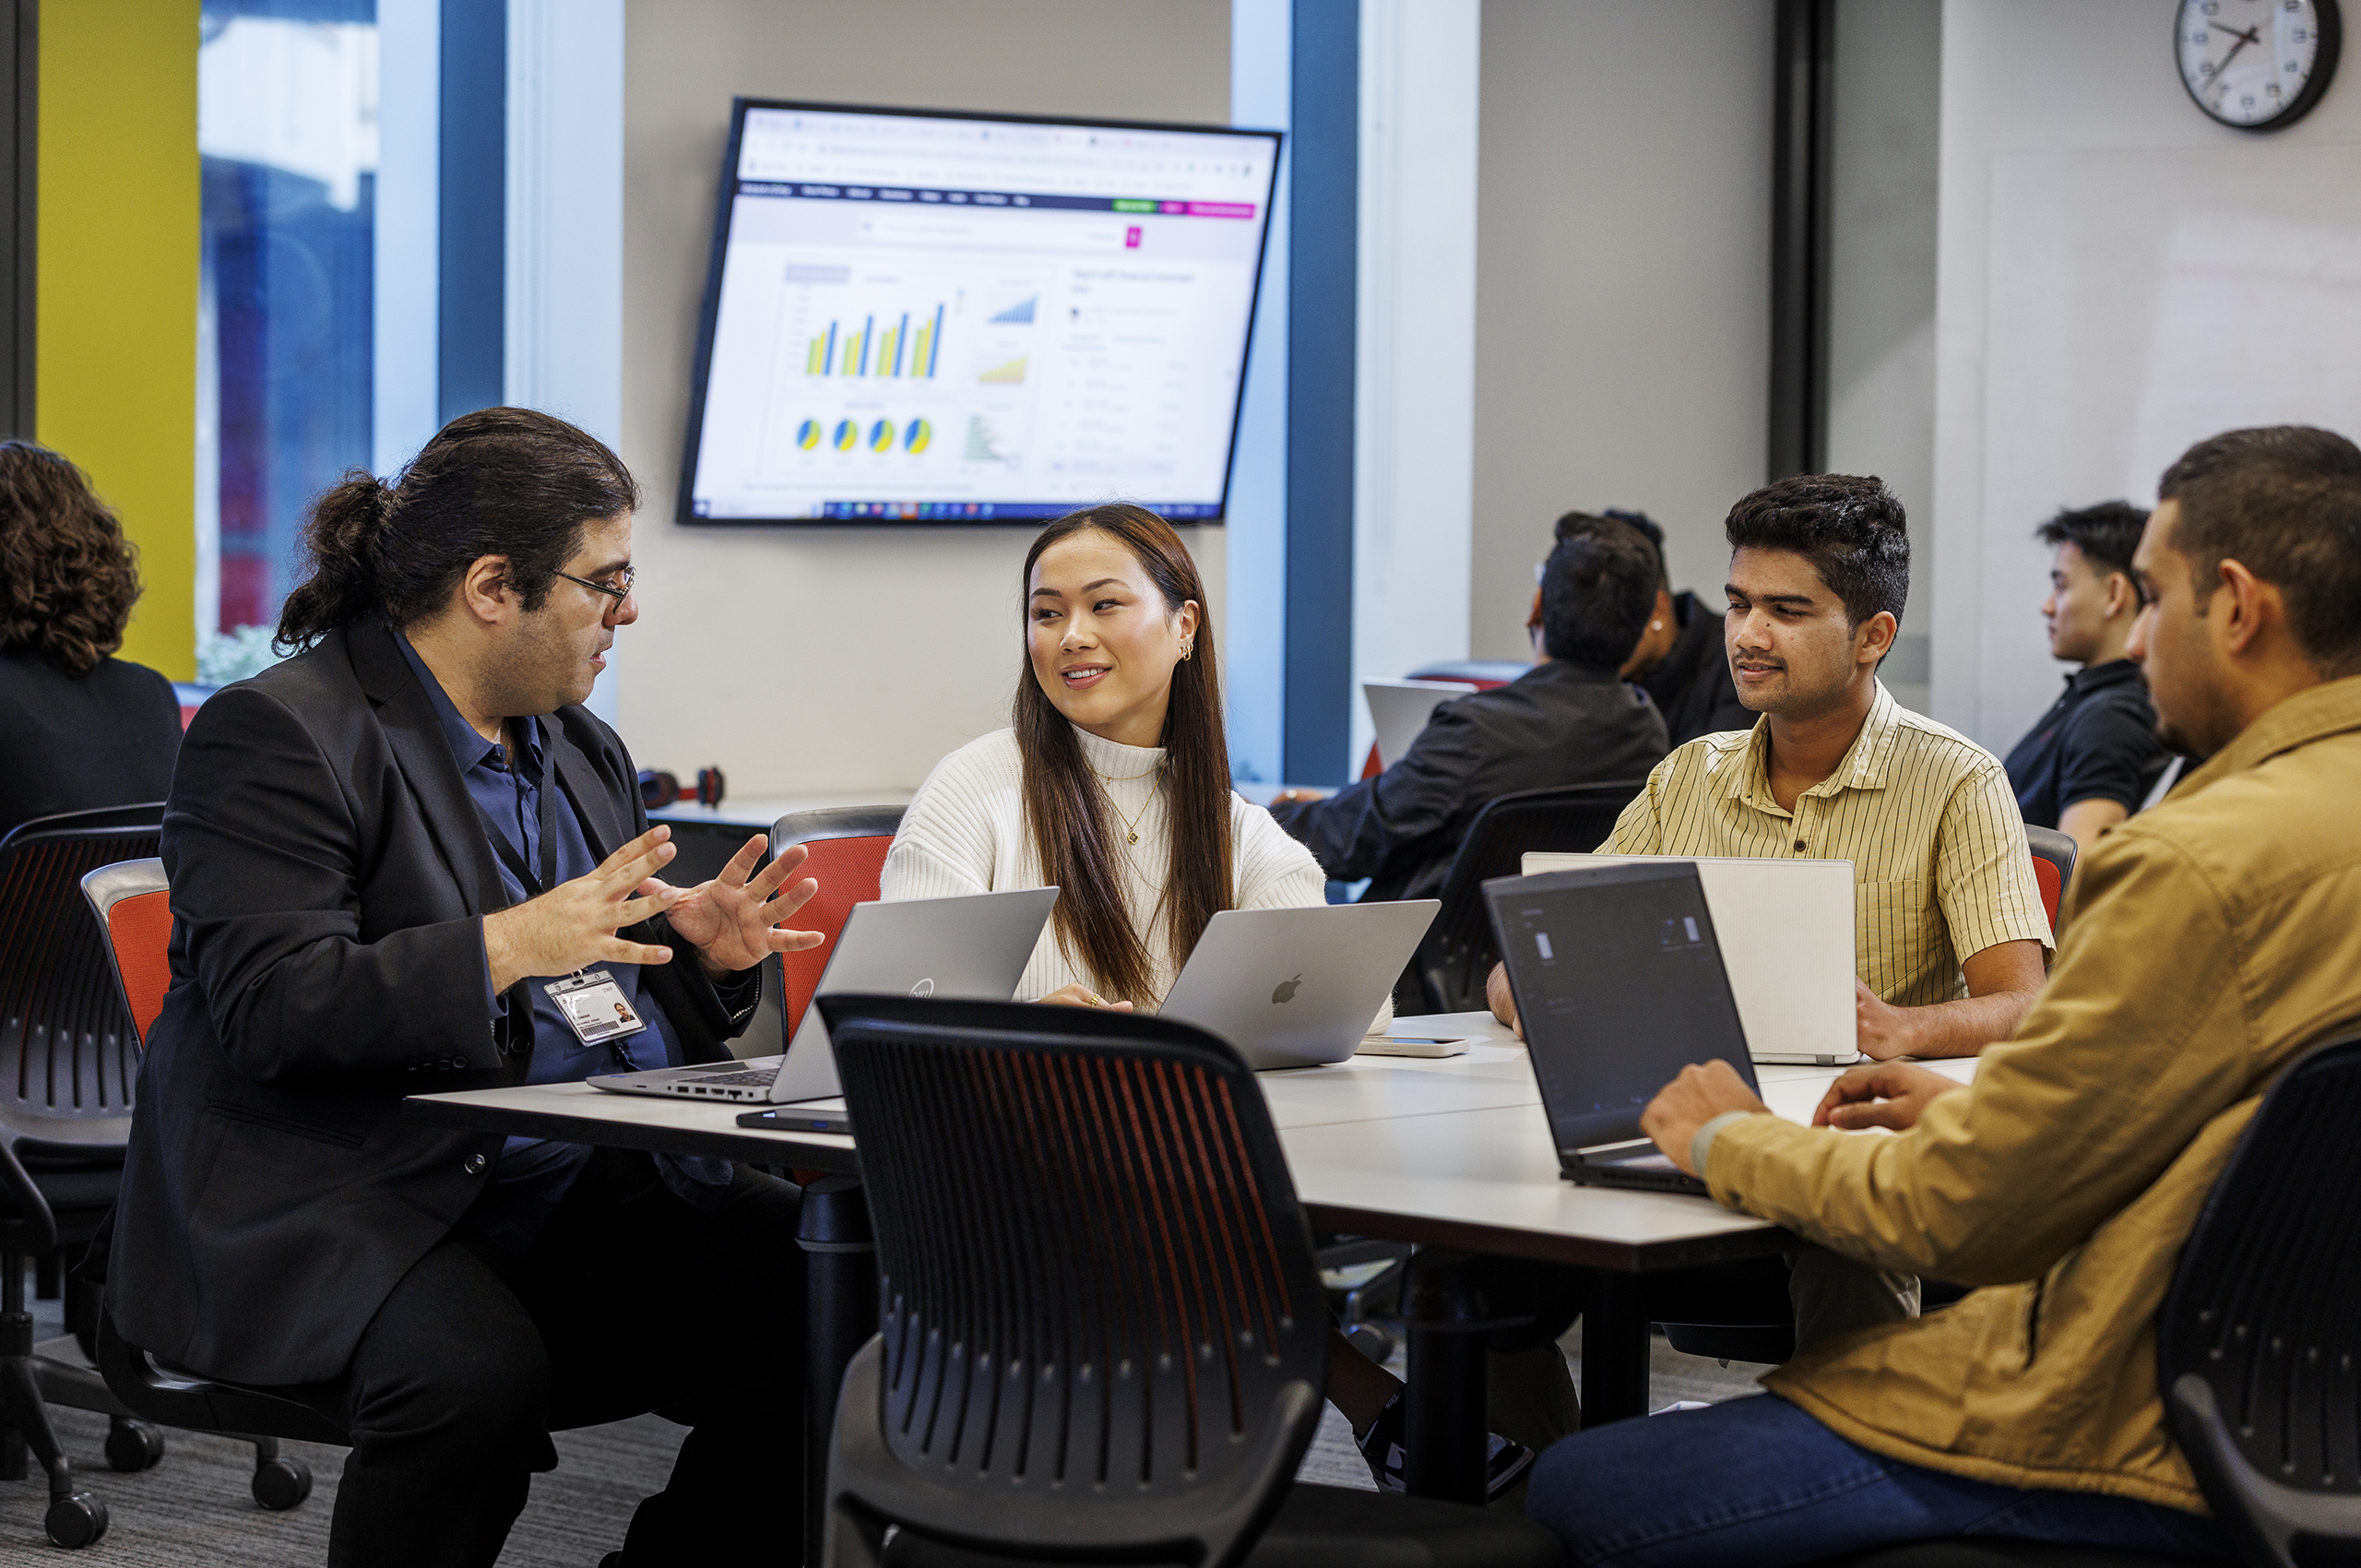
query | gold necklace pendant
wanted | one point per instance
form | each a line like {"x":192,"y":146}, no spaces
{"x":1130,"y":836}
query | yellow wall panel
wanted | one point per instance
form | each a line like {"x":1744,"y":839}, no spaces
{"x":115,"y":336}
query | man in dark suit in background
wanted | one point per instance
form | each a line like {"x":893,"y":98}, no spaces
{"x":1571,"y":719}
{"x":1680,"y":661}
{"x":384,"y":853}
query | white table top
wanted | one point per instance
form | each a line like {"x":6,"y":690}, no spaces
{"x":1452,"y":1151}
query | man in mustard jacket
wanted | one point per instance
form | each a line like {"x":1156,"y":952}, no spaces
{"x":2208,"y":943}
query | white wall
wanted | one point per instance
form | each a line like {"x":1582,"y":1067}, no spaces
{"x":2119,"y":278}
{"x":1882,"y":283}
{"x":563,"y":297}
{"x":1622,"y":281}
{"x":1415,"y":346}
{"x":811,"y":660}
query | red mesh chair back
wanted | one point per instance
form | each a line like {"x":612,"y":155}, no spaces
{"x":68,"y":1049}
{"x":1102,"y":1330}
{"x":134,"y":912}
{"x":2053,"y":867}
{"x":1458,"y":950}
{"x":847,"y":848}
{"x":2261,"y":1331}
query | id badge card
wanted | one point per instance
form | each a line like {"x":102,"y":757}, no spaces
{"x":596,"y":1007}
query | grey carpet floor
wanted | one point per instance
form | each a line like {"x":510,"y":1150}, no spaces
{"x":193,"y":1508}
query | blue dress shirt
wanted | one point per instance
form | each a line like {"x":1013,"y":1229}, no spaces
{"x":532,"y":1175}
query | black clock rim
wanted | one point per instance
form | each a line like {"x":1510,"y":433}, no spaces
{"x":2331,"y":22}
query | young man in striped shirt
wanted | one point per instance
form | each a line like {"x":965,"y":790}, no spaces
{"x":1950,"y":930}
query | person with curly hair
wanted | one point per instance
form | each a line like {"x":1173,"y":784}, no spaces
{"x":81,"y":728}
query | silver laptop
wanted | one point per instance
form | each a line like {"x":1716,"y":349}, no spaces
{"x":1400,"y":709}
{"x":1298,"y":987}
{"x":972,"y":947}
{"x":1787,"y":941}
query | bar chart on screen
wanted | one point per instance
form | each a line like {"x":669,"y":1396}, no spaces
{"x":896,"y":345}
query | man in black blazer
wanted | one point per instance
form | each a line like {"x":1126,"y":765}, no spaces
{"x":383,"y":852}
{"x":1572,"y":719}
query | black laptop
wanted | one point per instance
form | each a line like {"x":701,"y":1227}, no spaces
{"x":1619,"y":985}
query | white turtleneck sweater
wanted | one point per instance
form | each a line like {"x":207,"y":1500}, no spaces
{"x":965,"y":832}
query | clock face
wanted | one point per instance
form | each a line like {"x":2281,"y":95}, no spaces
{"x":2257,"y":64}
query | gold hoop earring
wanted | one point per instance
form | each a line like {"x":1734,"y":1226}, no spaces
{"x":1187,"y":648}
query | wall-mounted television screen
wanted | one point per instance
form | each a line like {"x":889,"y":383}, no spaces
{"x":968,"y":318}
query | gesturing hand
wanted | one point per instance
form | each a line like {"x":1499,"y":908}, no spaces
{"x":1689,"y":1101}
{"x":731,"y":920}
{"x":573,"y":925}
{"x":1890,"y":1094}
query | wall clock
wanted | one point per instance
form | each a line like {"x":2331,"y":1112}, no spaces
{"x":2257,"y":64}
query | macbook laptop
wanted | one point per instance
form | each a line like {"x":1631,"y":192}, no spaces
{"x":973,"y":947}
{"x":1400,"y":709}
{"x":1618,"y":985}
{"x":1788,"y":934}
{"x":1298,"y":987}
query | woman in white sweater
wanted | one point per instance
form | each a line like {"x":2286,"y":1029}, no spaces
{"x":1113,"y":786}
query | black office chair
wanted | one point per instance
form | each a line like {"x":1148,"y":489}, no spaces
{"x":1102,"y":1337}
{"x":2257,"y":1342}
{"x":68,"y":1056}
{"x":1458,"y":951}
{"x":2261,"y":1331}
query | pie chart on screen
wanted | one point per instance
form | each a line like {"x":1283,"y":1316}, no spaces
{"x":847,"y":435}
{"x":807,"y":434}
{"x":880,"y":436}
{"x":919,"y":436}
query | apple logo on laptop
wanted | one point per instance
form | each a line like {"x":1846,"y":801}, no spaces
{"x":925,"y":987}
{"x":1286,"y":991}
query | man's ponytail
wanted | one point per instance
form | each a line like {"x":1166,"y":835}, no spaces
{"x":341,"y":546}
{"x":513,"y":482}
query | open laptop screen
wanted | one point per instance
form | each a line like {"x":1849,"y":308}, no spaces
{"x":1619,"y":984}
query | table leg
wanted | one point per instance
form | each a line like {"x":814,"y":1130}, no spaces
{"x":1615,"y":1348}
{"x":1448,"y":1405}
{"x":840,"y":1313}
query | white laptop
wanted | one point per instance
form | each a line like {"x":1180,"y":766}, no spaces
{"x":1298,"y":987}
{"x":972,"y":947}
{"x":1401,"y":709}
{"x":1786,"y":939}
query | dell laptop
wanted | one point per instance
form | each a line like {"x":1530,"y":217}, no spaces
{"x":974,"y":947}
{"x":1298,"y":987}
{"x":1618,"y":985}
{"x":1792,"y":973}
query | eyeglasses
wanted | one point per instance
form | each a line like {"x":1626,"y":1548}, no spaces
{"x":617,"y":594}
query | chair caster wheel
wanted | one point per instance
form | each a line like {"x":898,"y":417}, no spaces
{"x":76,"y":1521}
{"x":134,"y":1446}
{"x":281,"y":1483}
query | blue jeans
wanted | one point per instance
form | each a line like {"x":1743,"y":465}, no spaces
{"x":1758,"y":1481}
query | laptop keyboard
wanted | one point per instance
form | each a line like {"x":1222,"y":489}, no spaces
{"x":761,"y":1080}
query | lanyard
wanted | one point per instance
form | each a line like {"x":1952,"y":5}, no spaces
{"x":509,"y":854}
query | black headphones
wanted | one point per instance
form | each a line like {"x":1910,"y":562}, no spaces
{"x":658,"y":789}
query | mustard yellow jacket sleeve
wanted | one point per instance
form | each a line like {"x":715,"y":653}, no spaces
{"x":2000,"y":1179}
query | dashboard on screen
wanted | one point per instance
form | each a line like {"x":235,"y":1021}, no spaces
{"x":945,"y":318}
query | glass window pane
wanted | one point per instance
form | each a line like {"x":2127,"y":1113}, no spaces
{"x":287,"y":130}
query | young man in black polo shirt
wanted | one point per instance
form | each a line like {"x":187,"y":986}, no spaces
{"x":2091,"y":760}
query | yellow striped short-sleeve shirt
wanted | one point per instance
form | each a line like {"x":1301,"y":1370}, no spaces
{"x":1925,"y":814}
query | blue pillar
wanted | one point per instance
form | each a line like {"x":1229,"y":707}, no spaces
{"x":1324,"y":226}
{"x":473,"y":165}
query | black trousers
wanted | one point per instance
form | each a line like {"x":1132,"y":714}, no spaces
{"x":632,"y":1301}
